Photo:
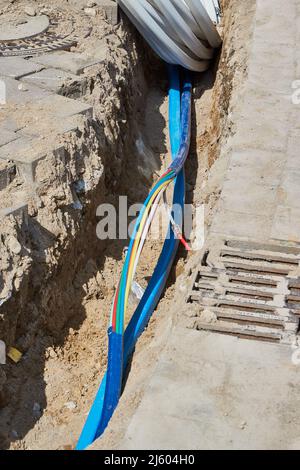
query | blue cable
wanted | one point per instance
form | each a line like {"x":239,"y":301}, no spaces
{"x":129,"y":251}
{"x":120,"y":349}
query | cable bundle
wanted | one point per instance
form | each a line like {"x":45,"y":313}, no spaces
{"x":181,"y":32}
{"x":146,"y":216}
{"x":121,"y":344}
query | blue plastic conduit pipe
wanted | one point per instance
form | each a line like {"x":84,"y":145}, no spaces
{"x":121,"y":348}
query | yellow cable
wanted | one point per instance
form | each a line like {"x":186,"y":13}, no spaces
{"x":137,"y":240}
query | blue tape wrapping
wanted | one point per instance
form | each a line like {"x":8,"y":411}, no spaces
{"x":178,"y":162}
{"x":108,"y":394}
{"x":113,"y":379}
{"x":174,"y":109}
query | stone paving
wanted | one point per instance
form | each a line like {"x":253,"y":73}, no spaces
{"x":33,"y":88}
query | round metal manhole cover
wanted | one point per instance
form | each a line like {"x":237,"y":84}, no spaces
{"x":22,"y":35}
{"x":13,"y":29}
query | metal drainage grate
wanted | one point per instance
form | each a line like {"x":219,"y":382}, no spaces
{"x":249,"y":290}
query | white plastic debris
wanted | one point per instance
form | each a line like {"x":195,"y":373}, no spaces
{"x":137,"y":290}
{"x":2,"y":353}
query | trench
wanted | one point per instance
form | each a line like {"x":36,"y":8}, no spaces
{"x":63,"y":310}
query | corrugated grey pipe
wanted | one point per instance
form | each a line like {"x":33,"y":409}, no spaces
{"x":181,"y":32}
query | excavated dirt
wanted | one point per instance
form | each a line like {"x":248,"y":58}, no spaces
{"x":58,"y":279}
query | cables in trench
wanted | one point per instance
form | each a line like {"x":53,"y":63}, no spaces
{"x":181,"y":32}
{"x":121,"y":344}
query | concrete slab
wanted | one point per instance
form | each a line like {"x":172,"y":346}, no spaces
{"x":264,"y":121}
{"x":294,"y":116}
{"x":61,"y":107}
{"x":26,"y":153}
{"x":16,"y":67}
{"x":293,"y":146}
{"x":6,"y":136}
{"x":277,"y":79}
{"x":240,"y":224}
{"x":204,"y":397}
{"x":56,"y":81}
{"x":286,"y":225}
{"x":54,"y":127}
{"x":20,"y":94}
{"x":70,"y":61}
{"x":297,"y":54}
{"x":280,"y":22}
{"x":9,"y":123}
{"x":249,"y":196}
{"x":14,"y":148}
{"x":289,"y":189}
{"x":257,"y":165}
{"x":263,"y":54}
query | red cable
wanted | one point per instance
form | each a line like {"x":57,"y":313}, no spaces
{"x":114,"y":315}
{"x":185,"y":244}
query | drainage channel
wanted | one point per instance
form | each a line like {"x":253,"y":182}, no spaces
{"x":248,"y":290}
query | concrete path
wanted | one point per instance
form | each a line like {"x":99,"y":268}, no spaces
{"x":261,"y":193}
{"x":214,"y":392}
{"x":34,"y":115}
{"x":33,"y":118}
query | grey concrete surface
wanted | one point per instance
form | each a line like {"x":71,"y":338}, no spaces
{"x":70,"y":61}
{"x":27,"y":152}
{"x":211,"y":391}
{"x":261,"y":194}
{"x":31,"y":91}
{"x":60,"y":106}
{"x":6,"y":136}
{"x":17,"y":67}
{"x":55,"y":79}
{"x":20,"y":94}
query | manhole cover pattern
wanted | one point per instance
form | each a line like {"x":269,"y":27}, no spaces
{"x":37,"y":45}
{"x":50,"y":40}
